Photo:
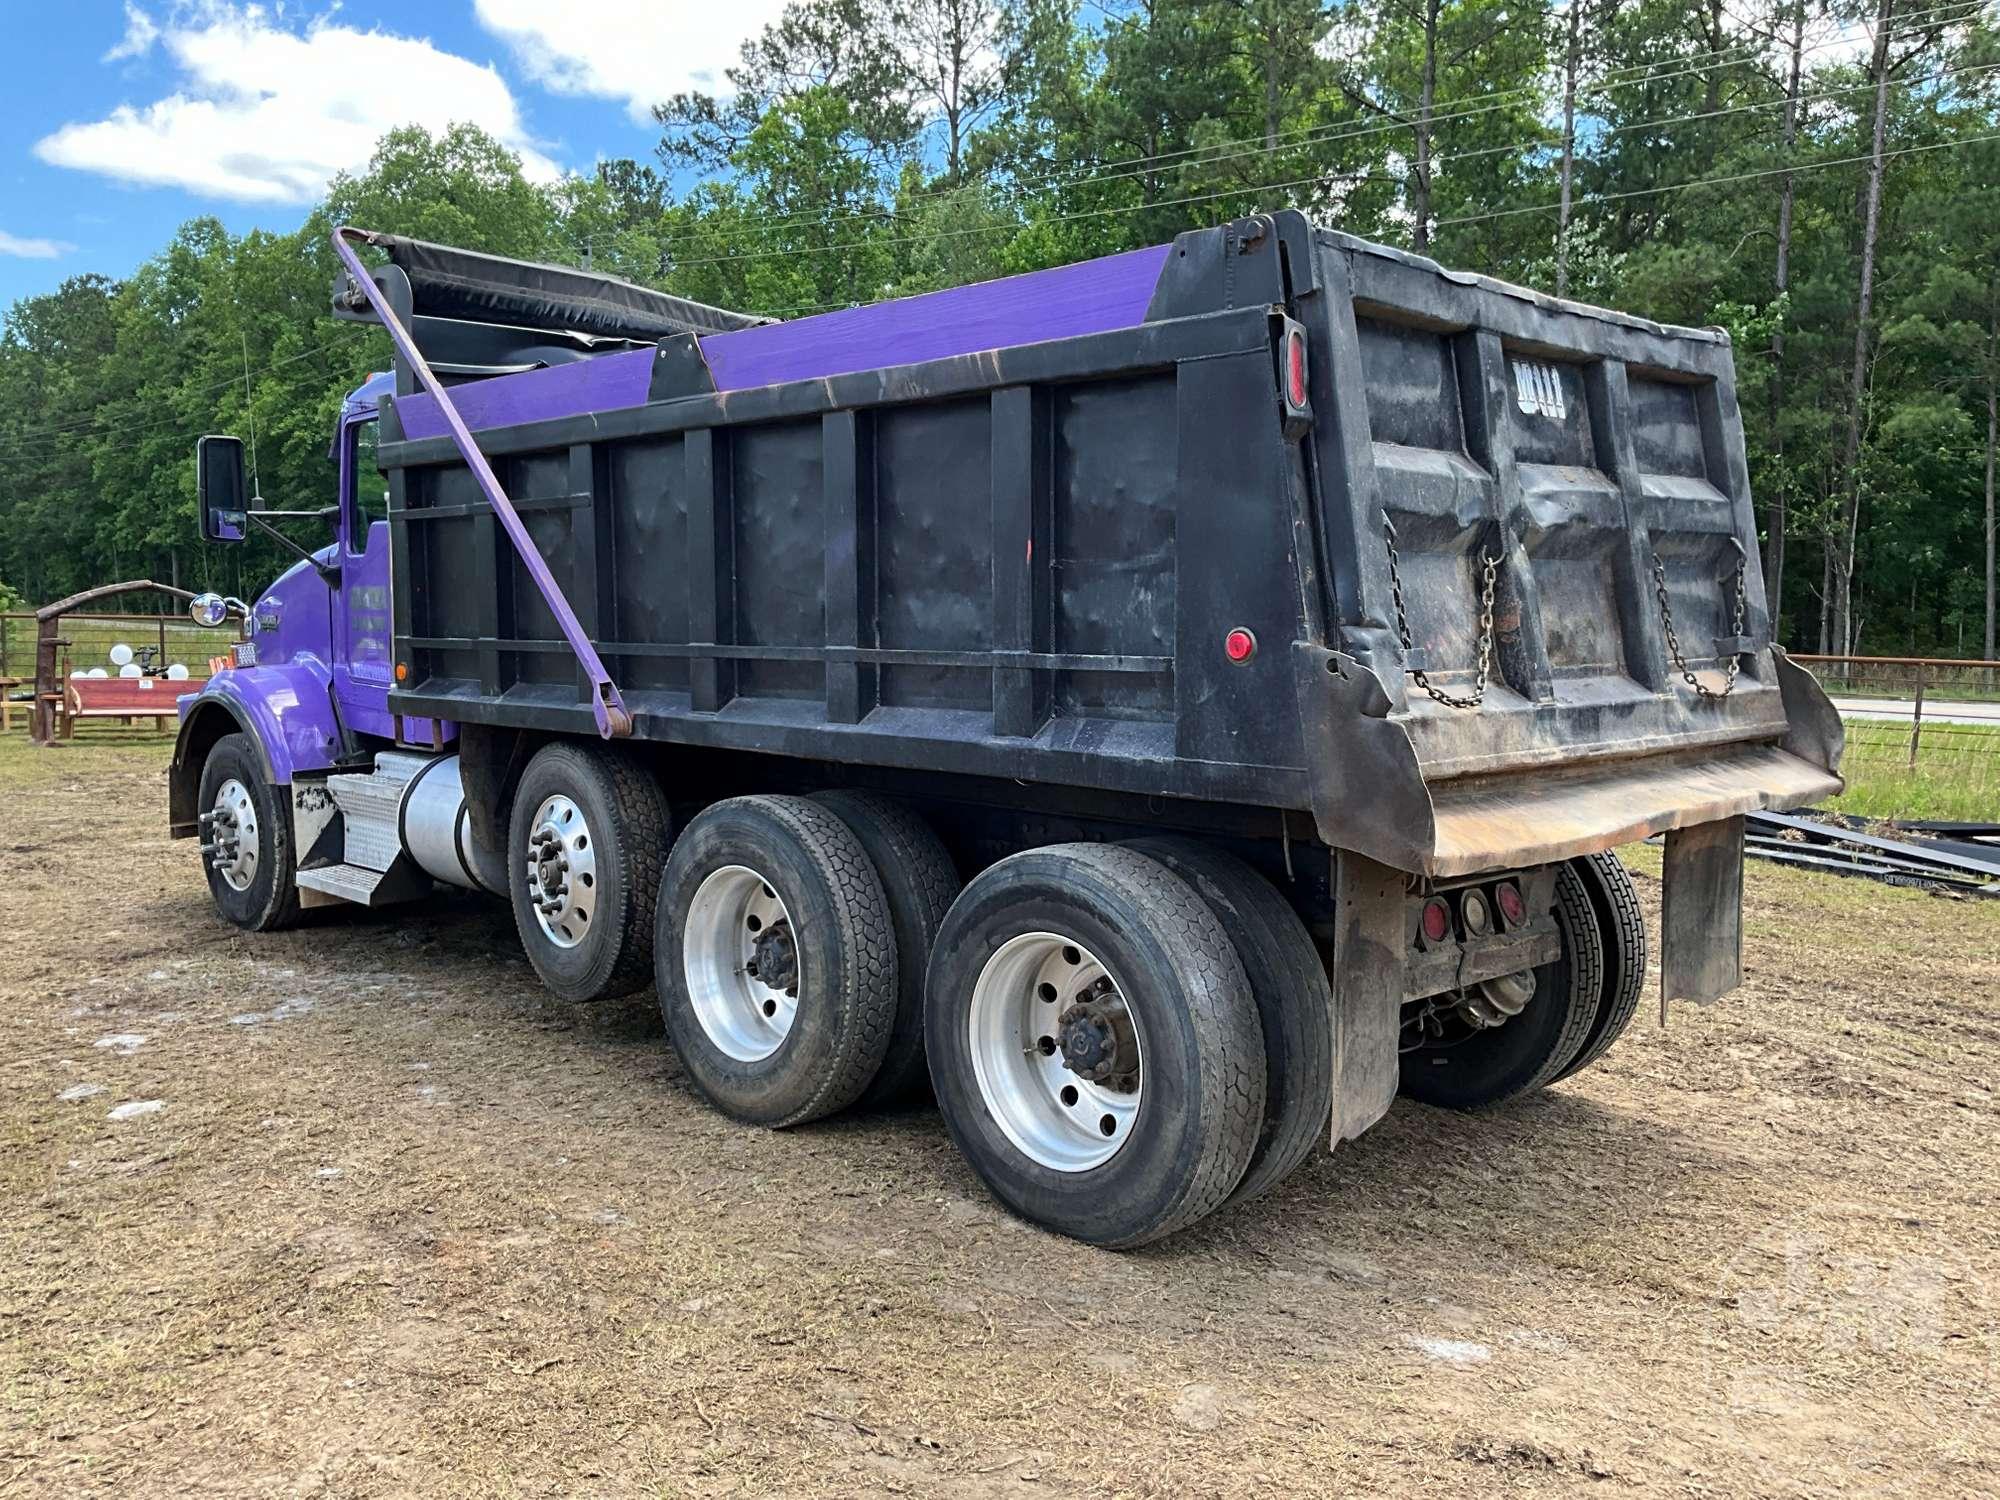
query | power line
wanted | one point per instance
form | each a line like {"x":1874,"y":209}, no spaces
{"x":1106,"y":211}
{"x":84,"y":422}
{"x":1719,"y":181}
{"x":57,"y":445}
{"x":1634,"y":76}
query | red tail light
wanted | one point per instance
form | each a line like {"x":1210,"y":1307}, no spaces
{"x":1295,"y":367}
{"x":1507,"y":896}
{"x":1436,"y":920}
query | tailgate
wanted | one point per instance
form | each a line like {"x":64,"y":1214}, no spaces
{"x":1541,"y":553}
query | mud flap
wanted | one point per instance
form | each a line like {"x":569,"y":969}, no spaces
{"x":1367,"y":975}
{"x":1701,"y":922}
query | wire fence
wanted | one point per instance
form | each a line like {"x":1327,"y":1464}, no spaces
{"x":87,"y":640}
{"x":1911,"y":679}
{"x":1923,"y":734}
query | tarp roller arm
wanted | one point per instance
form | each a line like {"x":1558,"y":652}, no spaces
{"x":606,"y":704}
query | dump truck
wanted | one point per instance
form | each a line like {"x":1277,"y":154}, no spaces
{"x":1165,"y":706}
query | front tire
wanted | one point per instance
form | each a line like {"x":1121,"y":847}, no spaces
{"x":248,"y":857}
{"x":776,"y":960}
{"x":585,"y":846}
{"x":1093,"y":1043}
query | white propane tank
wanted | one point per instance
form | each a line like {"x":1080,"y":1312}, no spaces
{"x":130,"y":669}
{"x":97,"y":672}
{"x":177,"y":673}
{"x":121,"y":654}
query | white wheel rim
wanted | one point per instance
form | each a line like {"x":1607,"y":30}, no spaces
{"x":737,"y":937}
{"x":561,"y":864}
{"x":232,"y":835}
{"x":1056,"y":1117}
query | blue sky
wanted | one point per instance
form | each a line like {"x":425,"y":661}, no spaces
{"x":133,"y":117}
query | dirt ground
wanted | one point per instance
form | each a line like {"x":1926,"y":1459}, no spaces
{"x":382,"y":1218}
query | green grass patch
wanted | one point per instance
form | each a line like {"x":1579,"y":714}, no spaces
{"x":1957,"y":772}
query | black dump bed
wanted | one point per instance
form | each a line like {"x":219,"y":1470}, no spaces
{"x":1027,"y":562}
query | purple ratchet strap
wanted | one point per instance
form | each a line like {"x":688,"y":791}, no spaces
{"x":613,"y":721}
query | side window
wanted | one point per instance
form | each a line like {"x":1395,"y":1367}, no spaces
{"x":371,"y":489}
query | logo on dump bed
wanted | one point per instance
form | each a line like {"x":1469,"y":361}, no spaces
{"x":1539,"y":389}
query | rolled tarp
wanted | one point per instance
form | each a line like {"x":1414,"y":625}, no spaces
{"x":469,"y":286}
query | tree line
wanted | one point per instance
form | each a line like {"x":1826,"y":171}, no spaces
{"x":1820,"y":177}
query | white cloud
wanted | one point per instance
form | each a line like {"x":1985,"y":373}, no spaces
{"x":140,"y":34}
{"x":263,"y":113}
{"x":638,"y":51}
{"x":29,"y":248}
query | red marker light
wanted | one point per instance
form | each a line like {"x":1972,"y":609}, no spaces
{"x":1508,"y":896}
{"x":1295,"y":368}
{"x":1239,"y":644}
{"x":1436,"y":920}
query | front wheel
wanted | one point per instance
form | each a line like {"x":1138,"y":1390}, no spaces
{"x":1094,"y":1044}
{"x":246,"y":839}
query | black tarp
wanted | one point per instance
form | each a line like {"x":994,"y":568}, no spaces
{"x":466,"y":285}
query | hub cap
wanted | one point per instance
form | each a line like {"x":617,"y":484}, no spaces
{"x":232,"y":835}
{"x":562,"y":872}
{"x":1056,"y":1052}
{"x":741,"y":962}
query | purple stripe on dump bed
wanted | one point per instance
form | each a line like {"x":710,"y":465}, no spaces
{"x":1061,"y":303}
{"x":601,"y":384}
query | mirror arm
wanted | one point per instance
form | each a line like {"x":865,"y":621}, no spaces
{"x":330,"y":572}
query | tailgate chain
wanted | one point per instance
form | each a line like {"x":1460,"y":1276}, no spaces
{"x":1735,"y":663}
{"x":1489,"y":569}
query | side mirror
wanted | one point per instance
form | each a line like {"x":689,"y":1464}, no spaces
{"x":219,"y":489}
{"x":208,"y":609}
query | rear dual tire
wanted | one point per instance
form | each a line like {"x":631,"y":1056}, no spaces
{"x":1621,"y":925}
{"x":1096,"y":954}
{"x":776,"y":960}
{"x":919,"y":882}
{"x":586,"y":843}
{"x":1582,"y":1003}
{"x":1294,"y":1002}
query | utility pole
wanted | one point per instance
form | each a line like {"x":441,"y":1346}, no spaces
{"x":1570,"y":61}
{"x":1871,"y":223}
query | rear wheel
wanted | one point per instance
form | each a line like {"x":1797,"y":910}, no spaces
{"x":919,"y":882}
{"x":585,"y":844}
{"x":1465,"y":1065}
{"x":1621,"y":925}
{"x":776,"y":960}
{"x":246,"y":842}
{"x":1094,"y":1045}
{"x":1294,"y":1004}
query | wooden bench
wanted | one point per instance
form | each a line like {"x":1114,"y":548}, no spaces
{"x":7,"y":703}
{"x":126,"y":698}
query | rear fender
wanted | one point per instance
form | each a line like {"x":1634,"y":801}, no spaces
{"x":286,"y":710}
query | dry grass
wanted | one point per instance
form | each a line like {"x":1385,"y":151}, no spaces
{"x":406,"y":1225}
